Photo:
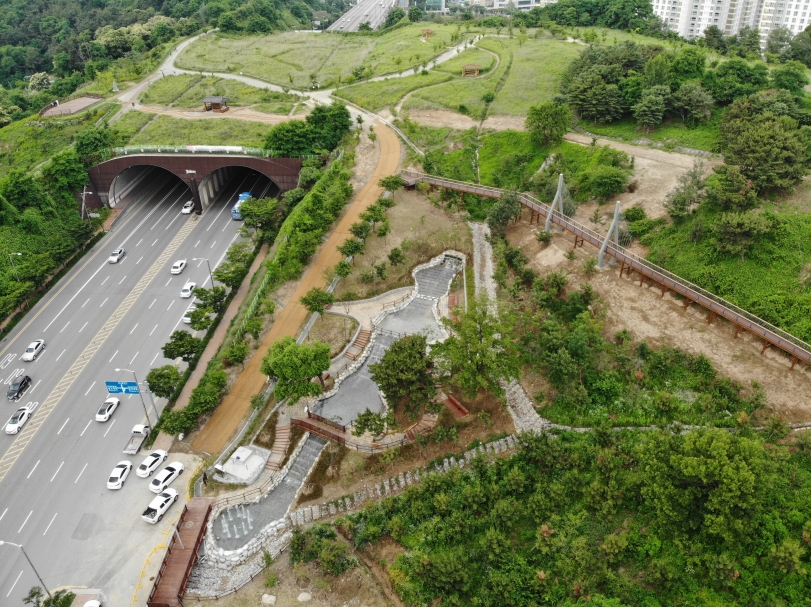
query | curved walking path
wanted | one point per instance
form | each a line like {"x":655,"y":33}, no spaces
{"x":227,"y":417}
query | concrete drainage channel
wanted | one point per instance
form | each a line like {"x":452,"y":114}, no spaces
{"x":238,"y":534}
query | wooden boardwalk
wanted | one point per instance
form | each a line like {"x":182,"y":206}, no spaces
{"x":170,"y":584}
{"x":770,"y":334}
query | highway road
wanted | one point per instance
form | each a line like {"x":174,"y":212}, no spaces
{"x":373,"y":11}
{"x":101,"y":316}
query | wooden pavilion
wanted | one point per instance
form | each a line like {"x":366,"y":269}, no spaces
{"x":471,"y":69}
{"x":426,"y":33}
{"x":215,"y":103}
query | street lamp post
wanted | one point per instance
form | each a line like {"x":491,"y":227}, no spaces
{"x":30,"y":563}
{"x":210,"y":276}
{"x":11,"y":259}
{"x":140,"y":394}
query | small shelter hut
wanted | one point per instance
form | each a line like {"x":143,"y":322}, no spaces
{"x":215,"y":103}
{"x":470,"y":69}
{"x":426,"y":33}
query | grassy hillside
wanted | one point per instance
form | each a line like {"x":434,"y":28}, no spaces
{"x":386,"y":93}
{"x":289,"y":58}
{"x":169,"y":131}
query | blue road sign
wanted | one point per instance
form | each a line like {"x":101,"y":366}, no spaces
{"x":117,"y":388}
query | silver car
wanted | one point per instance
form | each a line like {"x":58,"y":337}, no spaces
{"x":33,"y":351}
{"x":116,"y":256}
{"x":187,"y":208}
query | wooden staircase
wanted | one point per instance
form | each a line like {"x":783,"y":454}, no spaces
{"x":354,"y":351}
{"x":423,"y":427}
{"x":280,"y":445}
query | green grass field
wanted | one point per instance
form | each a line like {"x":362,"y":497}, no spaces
{"x":166,"y":91}
{"x":535,"y":73}
{"x":461,"y":91}
{"x":130,"y":123}
{"x":238,"y":94}
{"x":168,"y":131}
{"x":289,"y":58}
{"x":472,"y":55}
{"x":383,"y":93}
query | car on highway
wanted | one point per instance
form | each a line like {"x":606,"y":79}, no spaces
{"x":151,"y":463}
{"x":165,"y":477}
{"x":187,"y":290}
{"x":34,"y":350}
{"x":116,"y":256}
{"x":187,"y":314}
{"x":18,"y":387}
{"x":187,"y":208}
{"x":107,"y":408}
{"x":159,"y":506}
{"x":119,"y":475}
{"x":178,"y":266}
{"x":18,"y":419}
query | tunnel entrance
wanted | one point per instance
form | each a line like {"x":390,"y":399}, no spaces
{"x":206,"y":173}
{"x":243,"y":179}
{"x":141,"y":182}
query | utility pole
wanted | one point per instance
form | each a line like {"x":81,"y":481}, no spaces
{"x":30,"y":563}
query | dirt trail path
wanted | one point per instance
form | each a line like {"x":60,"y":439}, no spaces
{"x":227,"y":417}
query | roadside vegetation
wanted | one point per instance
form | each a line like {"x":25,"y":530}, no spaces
{"x":295,"y":225}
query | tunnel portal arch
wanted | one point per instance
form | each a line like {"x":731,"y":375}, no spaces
{"x":193,"y":169}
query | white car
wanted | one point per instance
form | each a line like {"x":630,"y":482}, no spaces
{"x":107,"y":408}
{"x":159,"y":506}
{"x":187,"y":290}
{"x":187,"y":208}
{"x":116,"y":256}
{"x":178,"y":267}
{"x":18,"y":420}
{"x":119,"y":475}
{"x":165,"y":477}
{"x":151,"y":463}
{"x":33,"y":351}
{"x":187,"y":315}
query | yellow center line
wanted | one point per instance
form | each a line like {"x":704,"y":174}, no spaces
{"x":20,"y":443}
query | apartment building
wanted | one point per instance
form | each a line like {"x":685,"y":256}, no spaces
{"x":689,"y":18}
{"x":792,"y":15}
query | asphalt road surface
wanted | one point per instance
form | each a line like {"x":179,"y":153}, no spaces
{"x":53,"y":496}
{"x":373,"y":11}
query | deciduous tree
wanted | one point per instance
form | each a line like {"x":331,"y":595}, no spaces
{"x":403,"y":373}
{"x":294,"y":366}
{"x":481,"y":351}
{"x":316,"y":300}
{"x":182,"y":344}
{"x":548,"y":122}
{"x":163,"y":380}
